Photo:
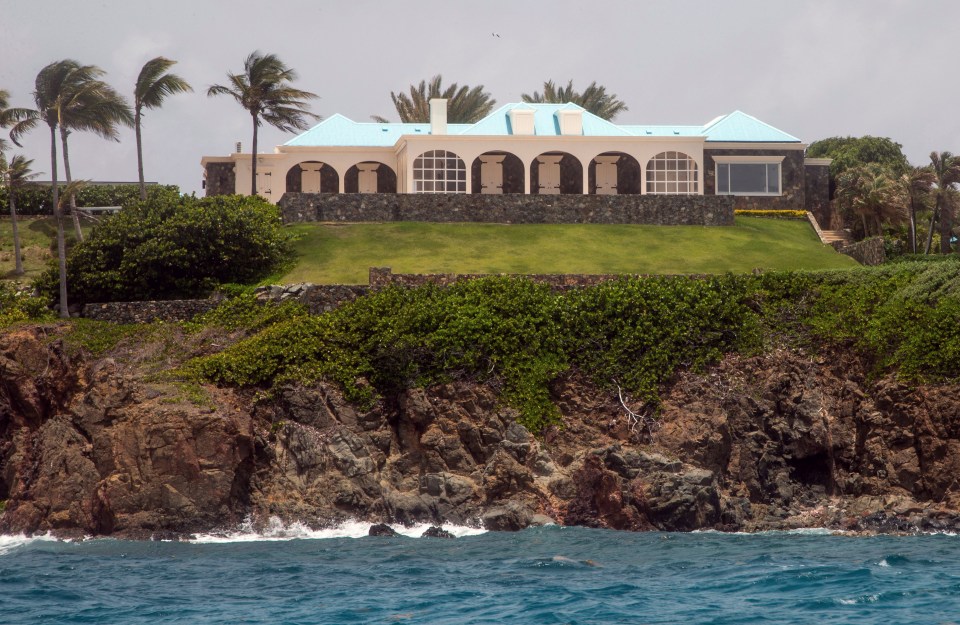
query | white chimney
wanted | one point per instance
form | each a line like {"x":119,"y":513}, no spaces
{"x":438,"y":116}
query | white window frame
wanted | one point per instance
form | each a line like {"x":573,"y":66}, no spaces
{"x":671,"y":183}
{"x":432,"y":167}
{"x":751,"y":160}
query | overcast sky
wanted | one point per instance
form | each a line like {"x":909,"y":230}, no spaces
{"x":813,"y":68}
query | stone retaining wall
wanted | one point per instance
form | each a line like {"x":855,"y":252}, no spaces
{"x":145,"y":312}
{"x":318,"y":298}
{"x":867,"y":252}
{"x":662,"y":210}
{"x":381,"y":277}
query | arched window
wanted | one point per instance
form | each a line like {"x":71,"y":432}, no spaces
{"x":672,"y":173}
{"x":439,"y":171}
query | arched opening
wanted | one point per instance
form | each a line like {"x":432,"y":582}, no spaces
{"x":497,"y":172}
{"x":439,"y":171}
{"x":614,"y":173}
{"x":673,"y":173}
{"x":370,"y":177}
{"x":556,"y":172}
{"x":312,"y":177}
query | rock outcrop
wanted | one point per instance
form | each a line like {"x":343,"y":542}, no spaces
{"x":97,"y":446}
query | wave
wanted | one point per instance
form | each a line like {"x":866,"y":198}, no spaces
{"x":9,"y":542}
{"x":276,"y":530}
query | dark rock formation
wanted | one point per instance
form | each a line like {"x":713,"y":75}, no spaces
{"x":382,"y":529}
{"x":436,"y":532}
{"x":95,"y":446}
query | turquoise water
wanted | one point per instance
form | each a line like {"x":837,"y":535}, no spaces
{"x":538,"y":576}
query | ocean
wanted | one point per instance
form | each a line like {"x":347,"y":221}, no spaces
{"x":292,"y":575}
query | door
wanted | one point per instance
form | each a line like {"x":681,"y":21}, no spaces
{"x":549,"y":174}
{"x":491,"y":174}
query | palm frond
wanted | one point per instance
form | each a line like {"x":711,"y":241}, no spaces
{"x":154,"y":84}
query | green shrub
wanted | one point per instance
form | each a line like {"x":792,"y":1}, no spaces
{"x":777,"y":214}
{"x":17,"y":306}
{"x":169,"y":248}
{"x":38,"y":200}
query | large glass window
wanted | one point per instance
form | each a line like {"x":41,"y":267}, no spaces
{"x":748,"y":178}
{"x":439,"y":171}
{"x":672,"y":173}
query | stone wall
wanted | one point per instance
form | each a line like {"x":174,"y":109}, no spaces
{"x":867,"y":252}
{"x":381,"y":277}
{"x":663,"y":210}
{"x":816,"y":183}
{"x":318,"y":298}
{"x":221,"y":179}
{"x":146,"y":312}
{"x":791,"y":179}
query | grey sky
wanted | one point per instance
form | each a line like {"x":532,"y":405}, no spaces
{"x":811,"y":68}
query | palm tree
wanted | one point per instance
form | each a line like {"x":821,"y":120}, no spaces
{"x":57,"y":88}
{"x":264,"y":90}
{"x":16,"y":175}
{"x":594,"y":98}
{"x":153,"y":86}
{"x":916,"y":185}
{"x":464,"y":105}
{"x":871,"y":192}
{"x":946,"y":172}
{"x":4,"y":118}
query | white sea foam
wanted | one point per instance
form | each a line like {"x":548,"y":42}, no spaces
{"x":883,"y":563}
{"x":275,"y":529}
{"x":13,"y":541}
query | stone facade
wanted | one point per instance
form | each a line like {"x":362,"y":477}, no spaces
{"x":791,"y":180}
{"x":381,"y":277}
{"x":318,"y":298}
{"x":816,"y":183}
{"x":221,"y":179}
{"x":663,"y":210}
{"x":146,"y":312}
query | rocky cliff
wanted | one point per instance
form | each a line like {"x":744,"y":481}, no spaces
{"x":93,"y":446}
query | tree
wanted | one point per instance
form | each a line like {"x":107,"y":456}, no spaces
{"x":264,"y":90}
{"x":55,"y":90}
{"x":850,"y":152}
{"x":871,"y":192}
{"x":4,"y":118}
{"x":594,"y":98}
{"x":154,"y":84}
{"x":946,"y":173}
{"x":465,"y":105}
{"x":15,"y":175}
{"x":174,"y":246}
{"x":916,"y":185}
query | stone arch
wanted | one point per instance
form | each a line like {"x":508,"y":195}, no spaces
{"x":386,"y":178}
{"x":439,"y":171}
{"x":510,"y":169}
{"x":672,"y":173}
{"x":627,"y":179}
{"x":543,"y":171}
{"x":329,"y":179}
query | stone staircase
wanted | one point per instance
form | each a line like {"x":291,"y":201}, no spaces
{"x":836,"y":238}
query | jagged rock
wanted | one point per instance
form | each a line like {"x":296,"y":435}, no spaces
{"x":95,"y":446}
{"x":382,"y":529}
{"x":436,"y":532}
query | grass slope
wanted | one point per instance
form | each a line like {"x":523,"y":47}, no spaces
{"x":38,"y":236}
{"x":343,"y":253}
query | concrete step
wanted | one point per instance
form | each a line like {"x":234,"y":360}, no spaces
{"x":831,"y":236}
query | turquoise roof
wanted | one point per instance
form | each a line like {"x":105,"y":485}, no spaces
{"x":740,"y":127}
{"x":340,"y":131}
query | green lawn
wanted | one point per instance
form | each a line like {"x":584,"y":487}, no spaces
{"x":343,"y":253}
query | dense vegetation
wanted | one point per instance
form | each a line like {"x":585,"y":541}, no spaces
{"x":36,"y":200}
{"x":631,"y":333}
{"x":171,"y":247}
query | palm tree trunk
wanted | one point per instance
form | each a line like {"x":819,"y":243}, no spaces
{"x":58,"y":214}
{"x":946,"y":229}
{"x":933,"y":221}
{"x":136,"y":126}
{"x":73,"y":198}
{"x":17,"y":258}
{"x":913,"y":228}
{"x":253,"y":158}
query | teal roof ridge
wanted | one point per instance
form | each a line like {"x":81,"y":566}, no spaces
{"x":741,"y":127}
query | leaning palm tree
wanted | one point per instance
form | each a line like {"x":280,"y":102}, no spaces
{"x":871,"y":192}
{"x":946,"y":172}
{"x":154,"y":84}
{"x":465,"y":105}
{"x":16,"y":175}
{"x":264,"y":90}
{"x":57,"y":88}
{"x":594,"y":98}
